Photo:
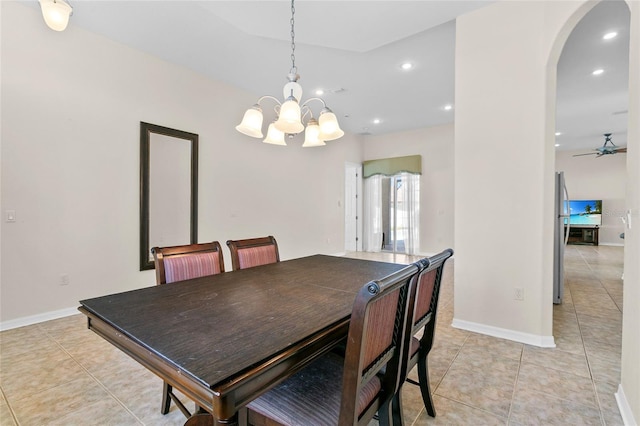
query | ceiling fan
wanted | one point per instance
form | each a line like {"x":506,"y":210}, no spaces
{"x":607,"y":148}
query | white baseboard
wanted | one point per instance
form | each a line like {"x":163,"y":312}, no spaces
{"x":34,"y":319}
{"x":503,"y":333}
{"x":612,"y":244}
{"x":625,"y":409}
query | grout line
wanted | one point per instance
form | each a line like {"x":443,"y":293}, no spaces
{"x":102,"y":385}
{"x":593,"y":380}
{"x":6,"y":401}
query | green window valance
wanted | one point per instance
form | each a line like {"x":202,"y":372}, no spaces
{"x":393,"y":166}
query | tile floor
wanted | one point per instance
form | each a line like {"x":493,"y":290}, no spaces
{"x":59,"y":373}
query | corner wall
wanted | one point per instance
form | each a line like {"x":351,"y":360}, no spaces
{"x":629,"y":393}
{"x":506,"y":55}
{"x":503,"y":237}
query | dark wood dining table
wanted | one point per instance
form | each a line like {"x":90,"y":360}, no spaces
{"x":223,"y":340}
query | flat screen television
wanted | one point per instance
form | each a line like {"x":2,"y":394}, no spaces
{"x":584,"y":212}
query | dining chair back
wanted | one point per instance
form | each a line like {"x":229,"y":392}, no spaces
{"x":349,"y":390}
{"x":253,"y":252}
{"x":423,"y":306}
{"x":180,"y":263}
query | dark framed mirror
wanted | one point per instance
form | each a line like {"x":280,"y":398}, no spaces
{"x":168,"y":189}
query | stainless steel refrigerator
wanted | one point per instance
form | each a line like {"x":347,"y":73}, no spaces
{"x":561,"y":234}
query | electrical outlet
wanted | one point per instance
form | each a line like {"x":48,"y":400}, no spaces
{"x":64,"y":279}
{"x":518,"y":293}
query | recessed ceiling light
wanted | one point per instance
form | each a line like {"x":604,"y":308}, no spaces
{"x":609,"y":36}
{"x":558,"y":133}
{"x":557,"y":145}
{"x":319,"y":92}
{"x":448,"y":107}
{"x":598,"y":71}
{"x":376,"y":121}
{"x":406,"y":66}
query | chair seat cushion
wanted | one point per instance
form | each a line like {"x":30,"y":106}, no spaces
{"x":312,"y":396}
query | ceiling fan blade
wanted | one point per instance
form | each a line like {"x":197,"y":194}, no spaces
{"x":591,"y":153}
{"x":624,"y":150}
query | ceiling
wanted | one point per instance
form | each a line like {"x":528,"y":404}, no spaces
{"x":354,"y":51}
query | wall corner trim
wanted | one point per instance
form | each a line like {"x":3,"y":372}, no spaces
{"x":624,"y":407}
{"x":503,"y":333}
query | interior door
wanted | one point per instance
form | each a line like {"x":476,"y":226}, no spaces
{"x":352,"y":208}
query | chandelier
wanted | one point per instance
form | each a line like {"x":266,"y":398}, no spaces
{"x":291,"y":114}
{"x":56,"y":13}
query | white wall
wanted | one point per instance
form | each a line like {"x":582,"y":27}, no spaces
{"x":603,"y":178}
{"x":629,"y":393}
{"x":435,"y":145}
{"x":506,"y":57}
{"x":72,"y":103}
{"x":500,"y":182}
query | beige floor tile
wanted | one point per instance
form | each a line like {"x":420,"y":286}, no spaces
{"x":412,"y":403}
{"x":106,"y":412}
{"x":469,"y":381}
{"x":23,"y":340}
{"x":438,"y":362}
{"x":453,"y":413}
{"x":570,"y":362}
{"x":540,"y":408}
{"x":604,"y":368}
{"x":557,"y":383}
{"x":6,"y":418}
{"x":50,"y":405}
{"x":36,"y":372}
{"x":500,"y":347}
{"x":608,"y":404}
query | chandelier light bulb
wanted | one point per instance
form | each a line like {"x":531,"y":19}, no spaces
{"x":56,"y":13}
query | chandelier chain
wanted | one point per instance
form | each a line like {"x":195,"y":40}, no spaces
{"x":294,"y":69}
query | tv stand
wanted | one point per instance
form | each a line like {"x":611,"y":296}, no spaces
{"x":584,"y":235}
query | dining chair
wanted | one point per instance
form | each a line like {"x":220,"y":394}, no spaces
{"x":349,"y":390}
{"x":180,"y":263}
{"x":423,"y":306}
{"x":253,"y":252}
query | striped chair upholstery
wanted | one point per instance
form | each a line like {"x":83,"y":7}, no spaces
{"x":186,"y":266}
{"x":349,"y":390}
{"x":423,"y":307}
{"x":180,"y":263}
{"x":253,"y":252}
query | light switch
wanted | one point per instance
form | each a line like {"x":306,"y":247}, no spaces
{"x":11,"y":216}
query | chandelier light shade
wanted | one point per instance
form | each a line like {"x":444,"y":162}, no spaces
{"x":251,"y":124}
{"x":290,"y":120}
{"x":312,"y":134}
{"x":56,"y":13}
{"x":274,"y":136}
{"x":329,"y":128}
{"x":292,"y":114}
